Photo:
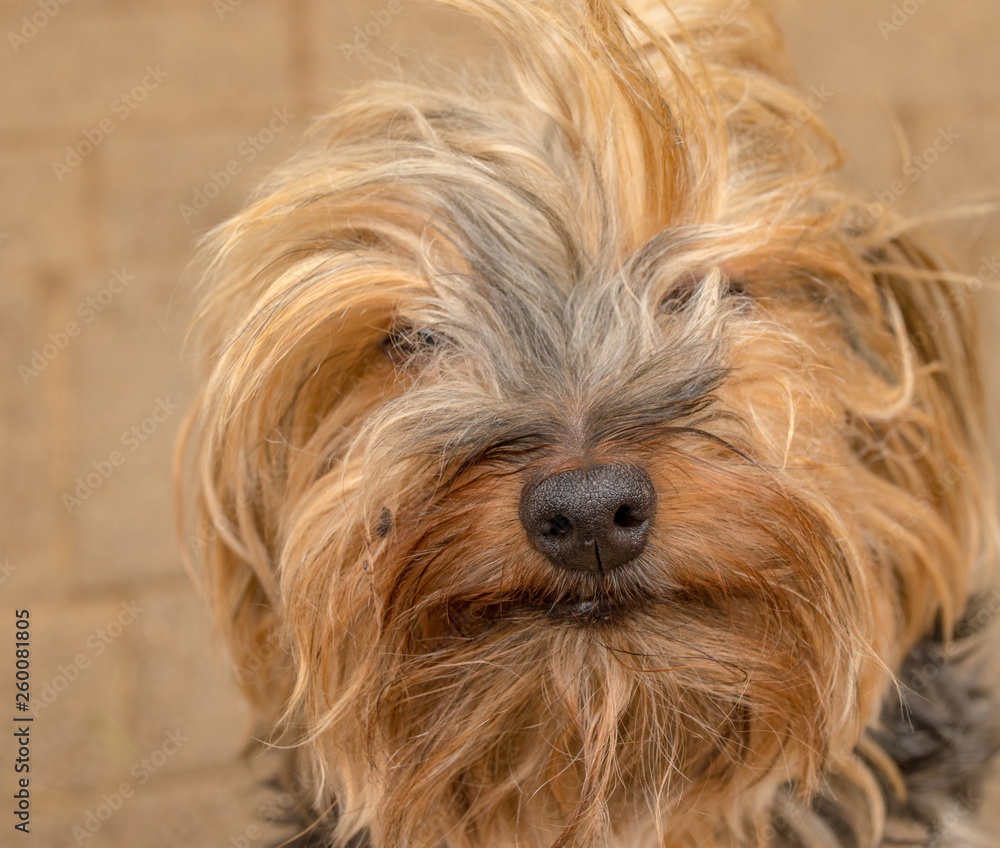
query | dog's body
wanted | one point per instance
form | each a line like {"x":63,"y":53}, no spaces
{"x":586,"y":467}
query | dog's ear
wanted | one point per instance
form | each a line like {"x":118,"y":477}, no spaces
{"x":225,"y":544}
{"x":278,"y":410}
{"x":931,"y":440}
{"x":937,"y":309}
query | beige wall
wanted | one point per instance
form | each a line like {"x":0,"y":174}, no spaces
{"x":168,"y":94}
{"x":899,"y":82}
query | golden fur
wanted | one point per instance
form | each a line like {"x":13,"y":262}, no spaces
{"x":635,"y":252}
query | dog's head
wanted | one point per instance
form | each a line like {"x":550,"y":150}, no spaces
{"x":582,"y":459}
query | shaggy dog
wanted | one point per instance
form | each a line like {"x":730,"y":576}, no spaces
{"x":585,"y":466}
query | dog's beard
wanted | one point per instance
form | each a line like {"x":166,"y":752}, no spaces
{"x":485,"y":692}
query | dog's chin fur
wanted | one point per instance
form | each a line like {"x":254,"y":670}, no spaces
{"x":633,"y":252}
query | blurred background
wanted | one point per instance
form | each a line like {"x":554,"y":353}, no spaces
{"x":129,"y":128}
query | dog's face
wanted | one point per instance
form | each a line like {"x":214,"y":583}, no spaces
{"x":573,"y":466}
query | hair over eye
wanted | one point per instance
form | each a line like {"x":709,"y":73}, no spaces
{"x":405,"y":342}
{"x":686,"y":289}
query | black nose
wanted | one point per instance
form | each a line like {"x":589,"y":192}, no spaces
{"x":593,"y":520}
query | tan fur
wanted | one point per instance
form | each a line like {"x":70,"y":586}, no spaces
{"x":636,"y":252}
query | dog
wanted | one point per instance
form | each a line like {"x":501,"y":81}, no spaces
{"x":584,"y":465}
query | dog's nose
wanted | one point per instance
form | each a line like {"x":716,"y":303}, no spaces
{"x":590,"y":520}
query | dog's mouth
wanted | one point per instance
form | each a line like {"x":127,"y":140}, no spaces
{"x":600,"y":609}
{"x":572,"y":610}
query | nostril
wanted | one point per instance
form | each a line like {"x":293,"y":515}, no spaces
{"x":560,"y":525}
{"x":625,"y":517}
